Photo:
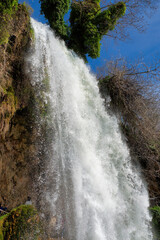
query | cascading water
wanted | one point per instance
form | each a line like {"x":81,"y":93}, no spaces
{"x":94,"y":191}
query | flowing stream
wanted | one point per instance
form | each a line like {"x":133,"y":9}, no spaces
{"x":94,"y":192}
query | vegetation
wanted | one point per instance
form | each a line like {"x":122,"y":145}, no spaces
{"x":88,"y":23}
{"x":134,"y":18}
{"x":156,"y":221}
{"x":87,"y":37}
{"x":135,"y":99}
{"x":21,"y":223}
{"x":7,"y":10}
{"x":8,"y":6}
{"x":54,"y":11}
{"x":10,"y":10}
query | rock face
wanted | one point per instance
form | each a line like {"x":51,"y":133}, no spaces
{"x":17,"y":132}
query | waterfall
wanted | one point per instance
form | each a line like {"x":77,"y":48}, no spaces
{"x":94,"y":191}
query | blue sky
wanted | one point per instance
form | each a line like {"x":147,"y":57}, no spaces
{"x":146,"y":44}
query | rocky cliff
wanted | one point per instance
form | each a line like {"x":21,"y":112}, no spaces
{"x":17,"y":132}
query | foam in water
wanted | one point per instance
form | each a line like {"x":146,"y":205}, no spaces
{"x":95,"y":192}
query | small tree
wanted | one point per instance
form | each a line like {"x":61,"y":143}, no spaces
{"x":54,"y":11}
{"x":88,"y":23}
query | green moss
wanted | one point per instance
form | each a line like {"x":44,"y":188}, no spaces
{"x":4,"y":33}
{"x":21,"y":223}
{"x":28,"y":10}
{"x":10,"y":97}
{"x":156,"y":221}
{"x":2,"y":219}
{"x":4,"y":36}
{"x":31,"y":33}
{"x":8,"y":6}
{"x":7,"y":10}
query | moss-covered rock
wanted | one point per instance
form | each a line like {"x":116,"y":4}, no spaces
{"x":156,"y":221}
{"x":21,"y":223}
{"x":2,"y":219}
{"x":18,"y":151}
{"x":8,"y":9}
{"x":19,"y":33}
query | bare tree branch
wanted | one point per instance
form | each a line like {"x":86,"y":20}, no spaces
{"x":135,"y":98}
{"x":135,"y":16}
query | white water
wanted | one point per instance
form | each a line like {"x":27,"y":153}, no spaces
{"x":95,"y":192}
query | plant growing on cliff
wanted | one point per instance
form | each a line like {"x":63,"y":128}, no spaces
{"x":54,"y":11}
{"x":156,"y":220}
{"x":21,"y":223}
{"x":7,"y":10}
{"x":88,"y":23}
{"x":8,"y":6}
